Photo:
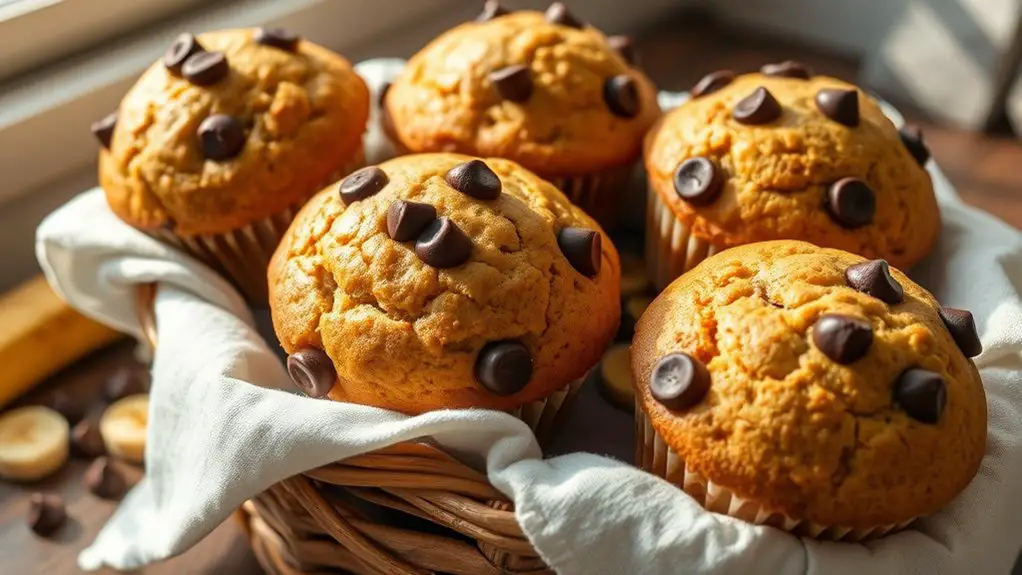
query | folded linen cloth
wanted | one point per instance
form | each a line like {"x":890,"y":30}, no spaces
{"x":221,"y":428}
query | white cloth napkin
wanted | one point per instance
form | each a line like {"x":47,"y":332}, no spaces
{"x":221,"y":429}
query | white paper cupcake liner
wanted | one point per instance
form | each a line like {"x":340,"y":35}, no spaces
{"x":543,"y":415}
{"x":671,"y":247}
{"x":655,"y":456}
{"x":601,"y":195}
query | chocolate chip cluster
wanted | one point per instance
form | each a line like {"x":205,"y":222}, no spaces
{"x":850,"y":202}
{"x":221,"y":137}
{"x":680,"y":381}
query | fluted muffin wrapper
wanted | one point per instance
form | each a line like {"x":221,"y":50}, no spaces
{"x":242,"y":255}
{"x":655,"y":456}
{"x":543,"y":416}
{"x":671,"y":247}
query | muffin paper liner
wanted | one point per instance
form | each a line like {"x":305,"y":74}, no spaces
{"x":655,"y":456}
{"x":242,"y":255}
{"x":542,"y":415}
{"x":671,"y":247}
{"x":601,"y":195}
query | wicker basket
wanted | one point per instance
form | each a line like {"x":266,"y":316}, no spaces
{"x":407,"y":509}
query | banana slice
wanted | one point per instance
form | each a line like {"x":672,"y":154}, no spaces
{"x":34,"y":443}
{"x":616,"y":376}
{"x":123,"y":427}
{"x":633,"y":274}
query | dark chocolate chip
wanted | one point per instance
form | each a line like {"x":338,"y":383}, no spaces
{"x":922,"y":394}
{"x":184,"y":46}
{"x":491,"y":9}
{"x":679,"y":381}
{"x":625,"y":46}
{"x":622,"y":95}
{"x":205,"y":68}
{"x":842,"y":338}
{"x":312,"y":371}
{"x":583,"y":248}
{"x":851,"y":202}
{"x":103,"y":129}
{"x":874,"y":278}
{"x":278,"y":38}
{"x":788,"y":69}
{"x":103,"y":480}
{"x":912,"y":138}
{"x":474,"y":178}
{"x":443,"y":245}
{"x":406,"y":220}
{"x":842,"y":106}
{"x":86,"y":440}
{"x":504,"y":367}
{"x":558,"y":13}
{"x":69,"y":405}
{"x":513,"y":83}
{"x":962,"y":326}
{"x":124,"y":382}
{"x":222,"y":137}
{"x":363,"y":184}
{"x":759,"y":107}
{"x":46,"y":514}
{"x":712,"y":82}
{"x":698,"y":181}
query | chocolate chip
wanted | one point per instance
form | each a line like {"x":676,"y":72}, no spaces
{"x":513,"y":83}
{"x":103,"y":129}
{"x":922,"y":394}
{"x":363,"y":184}
{"x":842,"y":106}
{"x":962,"y":326}
{"x":583,"y":248}
{"x":851,"y":202}
{"x":912,"y":138}
{"x":103,"y":480}
{"x":491,"y":9}
{"x":679,"y":381}
{"x":474,"y":178}
{"x":698,"y":181}
{"x":788,"y":69}
{"x":278,"y":38}
{"x":504,"y":367}
{"x":558,"y":13}
{"x":842,"y":338}
{"x":406,"y":220}
{"x":67,"y":404}
{"x":222,"y":137}
{"x":205,"y":68}
{"x":46,"y":514}
{"x":625,"y":46}
{"x":124,"y":382}
{"x":312,"y":371}
{"x":443,"y":245}
{"x":622,"y":95}
{"x":184,"y":46}
{"x":759,"y":107}
{"x":86,"y":439}
{"x":712,"y":82}
{"x":874,"y":278}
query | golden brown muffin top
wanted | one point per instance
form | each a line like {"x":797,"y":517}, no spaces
{"x":811,"y":408}
{"x":564,"y":114}
{"x":766,"y":169}
{"x":406,"y":322}
{"x":209,"y":148}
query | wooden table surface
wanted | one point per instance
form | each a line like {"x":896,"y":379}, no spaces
{"x":983,"y":168}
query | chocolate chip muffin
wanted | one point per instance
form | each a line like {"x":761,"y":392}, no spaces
{"x":784,"y":154}
{"x":219,"y":143}
{"x":809,"y":389}
{"x":442,"y":281}
{"x":543,"y":89}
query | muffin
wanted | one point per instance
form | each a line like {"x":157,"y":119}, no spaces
{"x":218,"y":144}
{"x":809,"y":389}
{"x":441,"y":281}
{"x":784,"y":154}
{"x":544,"y":90}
